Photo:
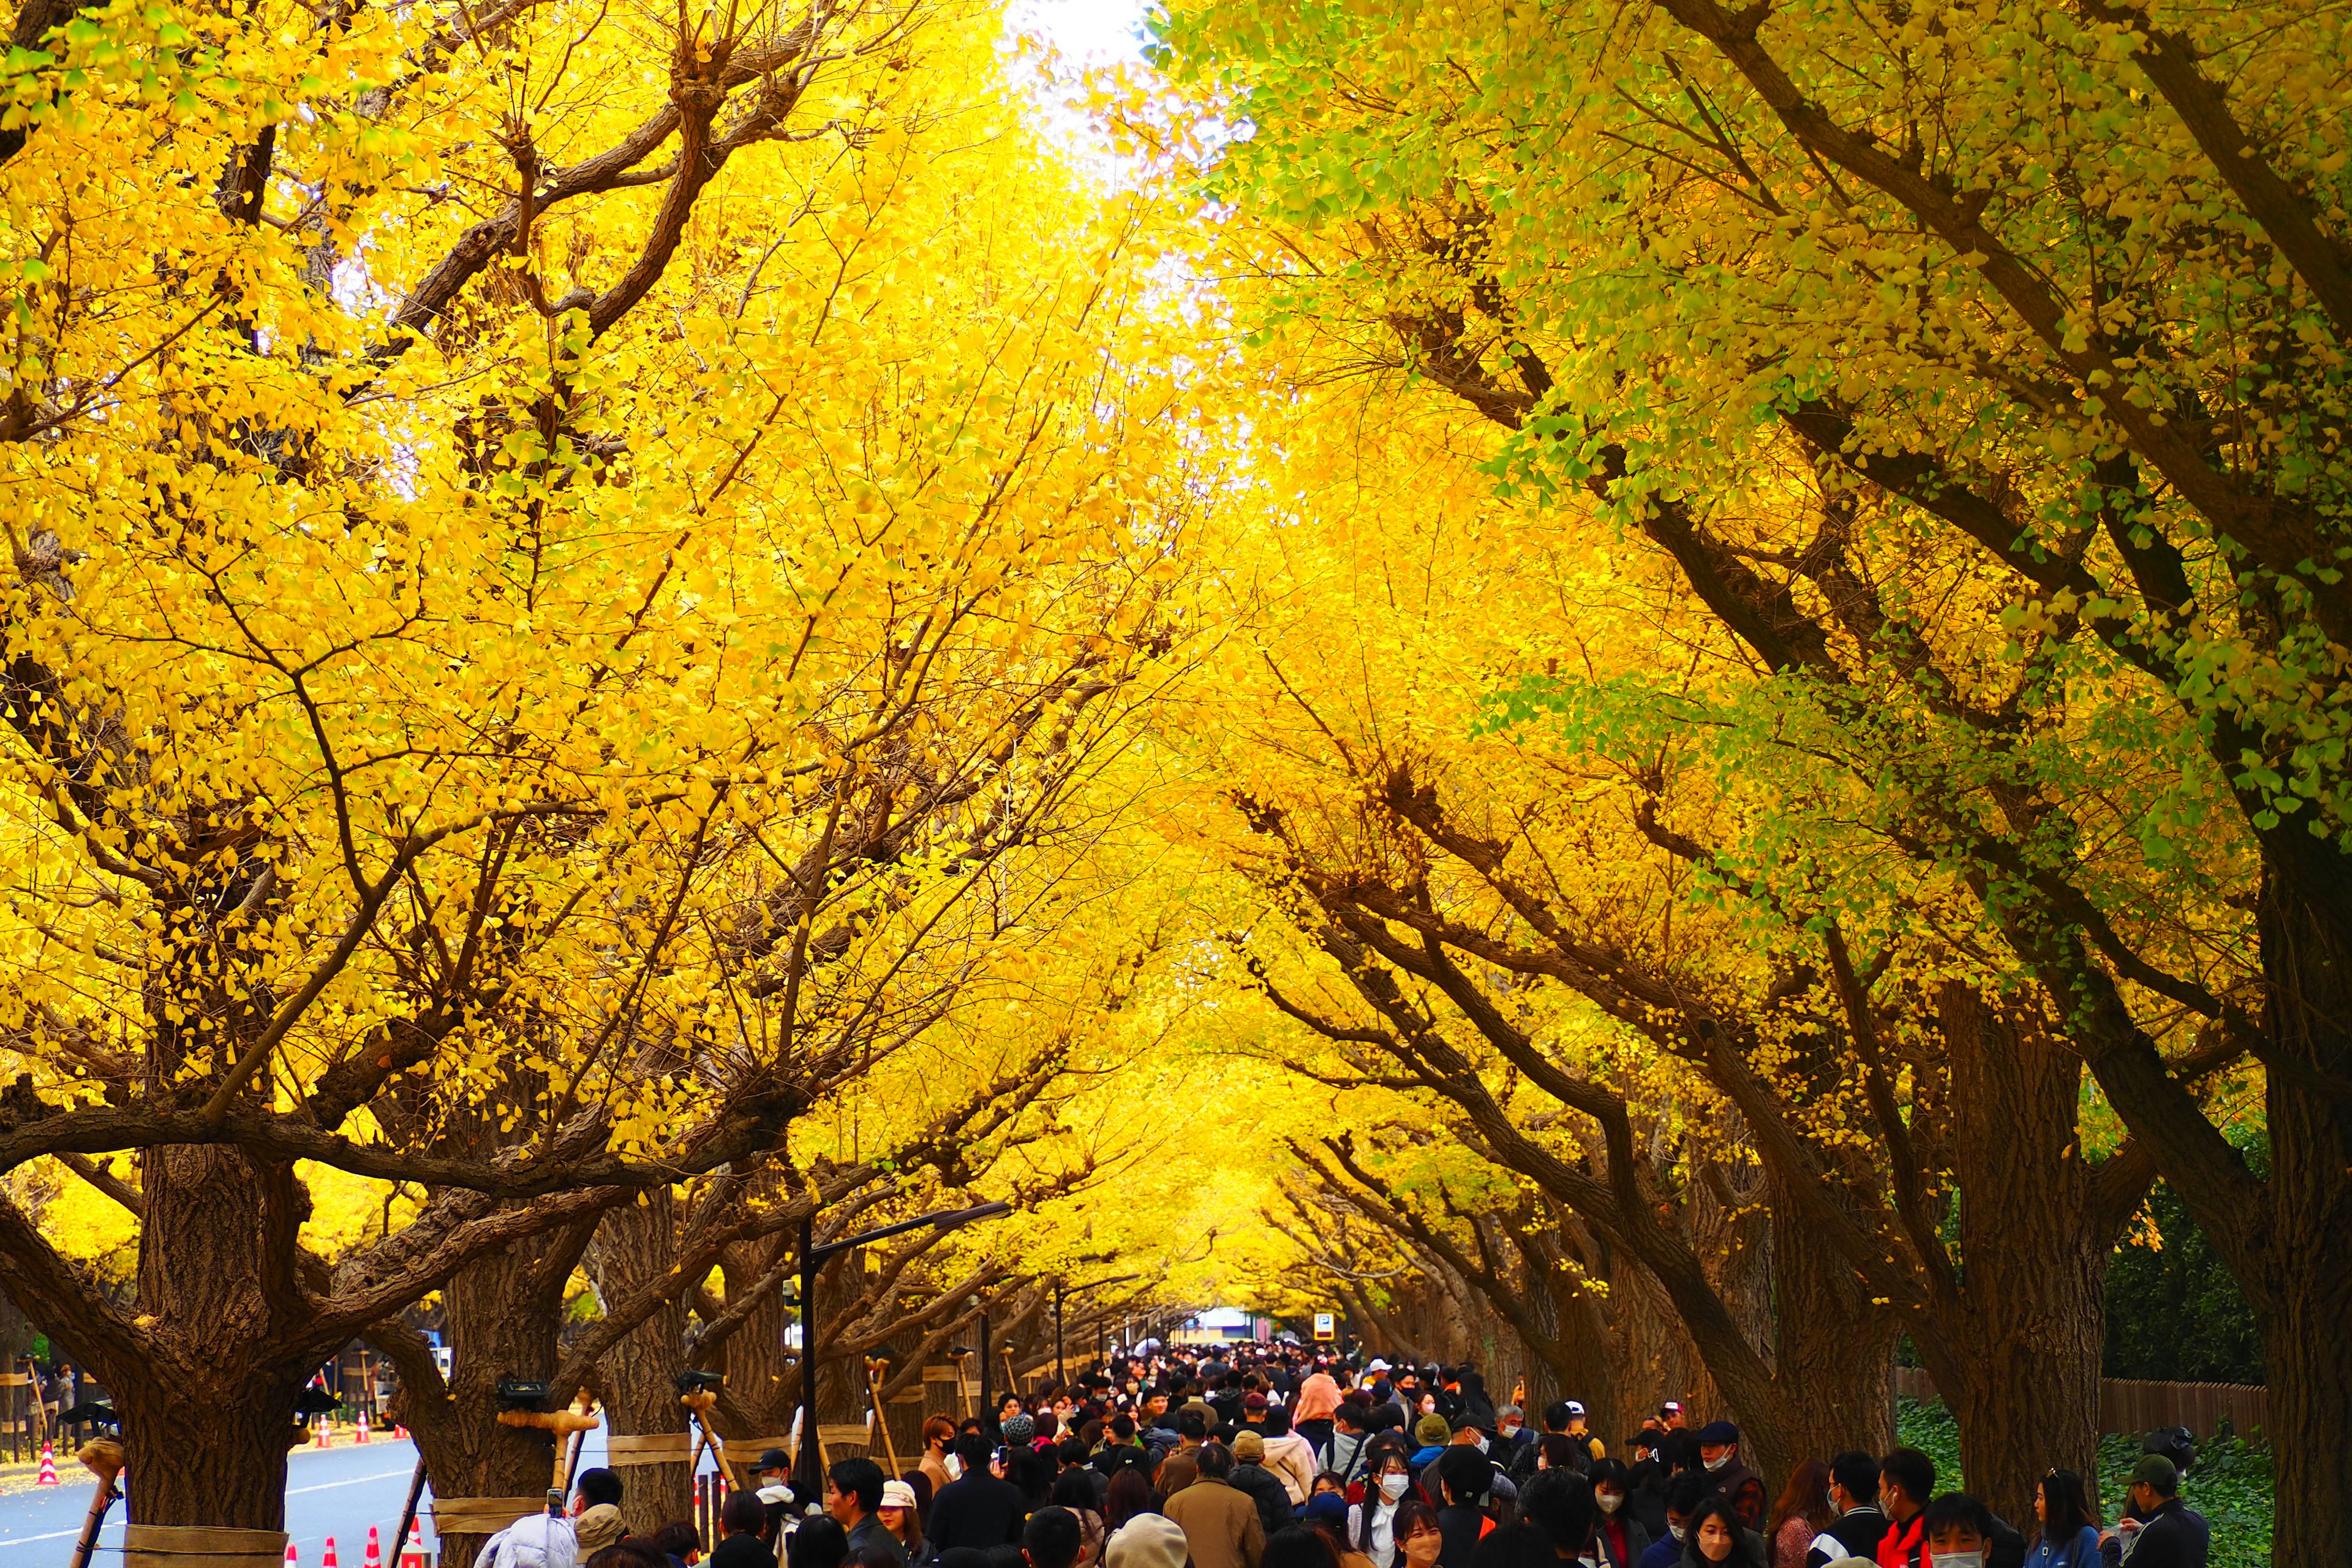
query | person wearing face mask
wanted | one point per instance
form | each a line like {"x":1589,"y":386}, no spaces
{"x":1959,"y":1531}
{"x":1859,"y":1525}
{"x":1372,"y":1524}
{"x":1716,"y":1537}
{"x":1684,"y":1493}
{"x":1907,"y":1481}
{"x":1800,"y":1515}
{"x":1618,"y":1536}
{"x":1421,"y":1539}
{"x":1514,"y":1444}
{"x":1718,"y":1453}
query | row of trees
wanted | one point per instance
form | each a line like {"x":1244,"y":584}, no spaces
{"x":1798,"y":718}
{"x":570,"y":584}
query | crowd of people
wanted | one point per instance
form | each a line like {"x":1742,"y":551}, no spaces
{"x":1267,"y":1456}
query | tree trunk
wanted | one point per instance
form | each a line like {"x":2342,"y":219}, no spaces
{"x":505,"y":1312}
{"x":1834,"y":1354}
{"x":2302,"y":1298}
{"x":2035,"y":1250}
{"x":763,"y":1377}
{"x":206,"y":1422}
{"x":636,"y":1244}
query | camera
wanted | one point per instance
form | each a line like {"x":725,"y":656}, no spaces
{"x":698,"y":1381}
{"x":514,"y":1394}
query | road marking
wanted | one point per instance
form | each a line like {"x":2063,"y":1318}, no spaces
{"x":331,"y":1486}
{"x":290,"y":1491}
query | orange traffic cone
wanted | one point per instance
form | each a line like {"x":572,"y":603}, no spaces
{"x":329,"y":1560}
{"x":292,"y":1560}
{"x":374,"y":1558}
{"x":361,"y":1434}
{"x":323,"y":1436}
{"x":399,"y":1431}
{"x":49,"y":1476}
{"x":413,"y":1554}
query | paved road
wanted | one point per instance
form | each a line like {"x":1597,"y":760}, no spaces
{"x":337,"y":1491}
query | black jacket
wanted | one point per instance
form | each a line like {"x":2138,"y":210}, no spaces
{"x":1463,"y":1527}
{"x":979,"y":1512}
{"x":1264,"y":1487}
{"x":1744,"y":1490}
{"x":1637,"y":1539}
{"x":2175,"y":1536}
{"x":1857,"y":1533}
{"x":743,"y":1551}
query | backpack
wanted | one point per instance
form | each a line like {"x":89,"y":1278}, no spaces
{"x":534,"y":1541}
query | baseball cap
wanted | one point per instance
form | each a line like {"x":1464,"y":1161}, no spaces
{"x":1574,"y":1408}
{"x":2155,"y":1470}
{"x":1716,"y":1432}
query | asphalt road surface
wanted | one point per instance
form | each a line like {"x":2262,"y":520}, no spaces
{"x":337,"y":1491}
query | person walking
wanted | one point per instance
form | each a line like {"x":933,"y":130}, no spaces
{"x":977,"y":1509}
{"x":1289,"y":1457}
{"x":2167,"y":1533}
{"x":1860,"y":1525}
{"x":1619,"y":1537}
{"x":939,"y":1445}
{"x":1719,"y":1452}
{"x":852,"y":1496}
{"x":1251,"y":1476}
{"x":1800,"y":1515}
{"x":2068,"y":1527}
{"x":1222,"y":1527}
{"x":741,"y":1521}
{"x":1372,"y":1524}
{"x":1906,"y":1483}
{"x":1312,"y":1414}
{"x":1717,"y":1537}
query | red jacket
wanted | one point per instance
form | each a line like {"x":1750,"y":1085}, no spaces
{"x":1902,"y":1545}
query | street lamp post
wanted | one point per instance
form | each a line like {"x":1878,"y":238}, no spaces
{"x":808,"y":1474}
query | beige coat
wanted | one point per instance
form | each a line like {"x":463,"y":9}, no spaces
{"x":1221,"y":1525}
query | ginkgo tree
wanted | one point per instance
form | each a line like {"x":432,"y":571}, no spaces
{"x":552,"y":548}
{"x":2049,"y":300}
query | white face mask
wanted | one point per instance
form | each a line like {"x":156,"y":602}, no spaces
{"x":1674,"y":1530}
{"x":1609,"y":1502}
{"x":1961,"y":1559}
{"x":1392,"y":1485}
{"x":1479,"y":1442}
{"x":1718,"y":1462}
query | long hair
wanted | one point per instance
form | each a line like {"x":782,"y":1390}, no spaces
{"x":1806,"y":1497}
{"x":1131,"y":1494}
{"x":2068,"y":1504}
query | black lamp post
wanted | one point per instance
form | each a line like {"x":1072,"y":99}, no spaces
{"x":1060,"y":1290}
{"x":808,"y":1475}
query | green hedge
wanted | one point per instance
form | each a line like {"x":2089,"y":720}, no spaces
{"x":2231,"y":1484}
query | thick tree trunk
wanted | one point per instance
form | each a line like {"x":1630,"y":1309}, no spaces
{"x":504,"y":1312}
{"x":206,"y":1422}
{"x":2035,"y":1251}
{"x":2305,"y":1301}
{"x":637,"y":1245}
{"x":762,"y":1376}
{"x":1834,"y":1354}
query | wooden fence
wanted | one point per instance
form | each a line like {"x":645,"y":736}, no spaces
{"x":2126,"y":1405}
